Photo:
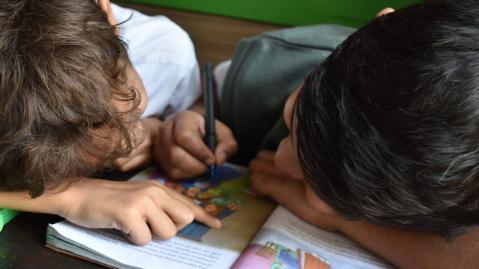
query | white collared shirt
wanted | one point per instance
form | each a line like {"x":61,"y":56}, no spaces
{"x":164,"y":56}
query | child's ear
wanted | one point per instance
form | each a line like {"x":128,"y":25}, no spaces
{"x":105,"y":5}
{"x":385,"y":11}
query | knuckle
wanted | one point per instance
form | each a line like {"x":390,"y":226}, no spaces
{"x":127,"y":214}
{"x":142,"y":199}
{"x":185,"y":138}
{"x":187,"y":218}
{"x":182,"y":114}
{"x":175,"y":173}
{"x":143,"y":239}
{"x":122,"y":221}
{"x":167,"y":233}
{"x":152,"y":189}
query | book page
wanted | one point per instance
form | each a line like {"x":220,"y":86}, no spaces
{"x":175,"y":253}
{"x":226,"y":195}
{"x":287,"y":241}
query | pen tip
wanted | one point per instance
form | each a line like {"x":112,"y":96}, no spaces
{"x":212,"y":170}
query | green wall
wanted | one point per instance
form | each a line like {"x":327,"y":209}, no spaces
{"x":288,"y":12}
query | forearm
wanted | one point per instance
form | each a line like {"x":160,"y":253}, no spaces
{"x":52,"y":201}
{"x":23,"y":202}
{"x":407,"y":249}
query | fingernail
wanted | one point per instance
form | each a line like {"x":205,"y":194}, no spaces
{"x":217,"y":223}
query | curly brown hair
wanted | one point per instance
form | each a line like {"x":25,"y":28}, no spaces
{"x":61,"y":68}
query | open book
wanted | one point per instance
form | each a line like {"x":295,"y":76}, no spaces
{"x":256,"y":234}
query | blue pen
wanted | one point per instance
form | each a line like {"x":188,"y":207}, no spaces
{"x":209,"y":100}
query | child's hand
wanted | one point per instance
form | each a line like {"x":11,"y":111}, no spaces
{"x":266,"y":179}
{"x":140,"y":209}
{"x":142,"y":154}
{"x":180,"y":150}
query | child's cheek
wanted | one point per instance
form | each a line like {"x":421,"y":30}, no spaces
{"x":285,"y":160}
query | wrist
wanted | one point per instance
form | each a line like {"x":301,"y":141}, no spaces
{"x":52,"y":201}
{"x":70,"y":197}
{"x":152,"y":126}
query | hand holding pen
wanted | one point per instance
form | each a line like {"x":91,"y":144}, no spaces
{"x":181,"y":147}
{"x":209,"y":102}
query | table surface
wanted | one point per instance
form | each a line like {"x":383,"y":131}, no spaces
{"x":22,"y":240}
{"x":22,"y":246}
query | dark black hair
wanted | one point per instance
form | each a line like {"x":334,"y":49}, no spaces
{"x":388,"y":126}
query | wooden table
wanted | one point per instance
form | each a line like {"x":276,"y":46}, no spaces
{"x":22,"y":246}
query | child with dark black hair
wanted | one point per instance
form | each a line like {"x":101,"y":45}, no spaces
{"x":384,"y":139}
{"x":383,"y":134}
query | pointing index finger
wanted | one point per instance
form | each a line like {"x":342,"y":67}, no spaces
{"x":200,"y":213}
